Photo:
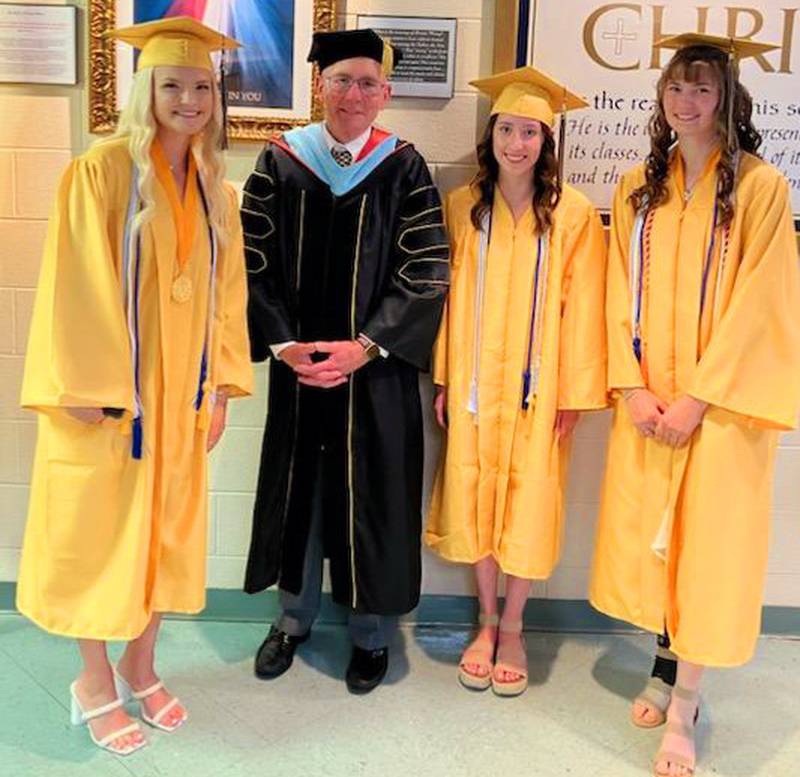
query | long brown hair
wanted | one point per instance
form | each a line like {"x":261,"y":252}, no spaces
{"x":689,"y":64}
{"x":546,"y":186}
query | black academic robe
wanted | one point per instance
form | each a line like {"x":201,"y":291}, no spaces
{"x":325,"y":267}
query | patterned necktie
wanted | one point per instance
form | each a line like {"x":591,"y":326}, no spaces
{"x":342,"y":156}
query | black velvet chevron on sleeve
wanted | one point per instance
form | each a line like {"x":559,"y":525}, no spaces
{"x":407,"y":319}
{"x":267,"y":311}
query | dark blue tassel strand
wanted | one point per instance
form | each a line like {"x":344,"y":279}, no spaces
{"x":526,"y":387}
{"x":198,"y":398}
{"x":137,"y":438}
{"x":637,"y":349}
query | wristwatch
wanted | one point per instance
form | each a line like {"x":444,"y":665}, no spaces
{"x":370,"y":348}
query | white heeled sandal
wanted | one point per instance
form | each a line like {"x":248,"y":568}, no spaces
{"x":80,"y":717}
{"x":126,"y":693}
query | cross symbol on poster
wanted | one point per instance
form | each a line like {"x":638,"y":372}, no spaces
{"x":618,"y":36}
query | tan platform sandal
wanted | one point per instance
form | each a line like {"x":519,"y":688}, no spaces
{"x":656,"y":696}
{"x":517,"y":663}
{"x":481,"y":653}
{"x":679,"y":729}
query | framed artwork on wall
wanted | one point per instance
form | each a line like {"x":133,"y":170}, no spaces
{"x":269,"y":84}
{"x":427,"y":68}
{"x":39,"y":44}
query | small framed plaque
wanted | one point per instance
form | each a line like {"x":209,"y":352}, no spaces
{"x":38,"y":44}
{"x":429,"y":53}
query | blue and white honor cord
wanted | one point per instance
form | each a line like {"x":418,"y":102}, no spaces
{"x":636,"y":275}
{"x":533,"y":361}
{"x":131,"y":260}
{"x":483,"y":249}
{"x":530,"y":375}
{"x":636,"y":258}
{"x":202,"y":387}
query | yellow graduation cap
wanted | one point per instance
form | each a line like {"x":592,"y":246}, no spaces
{"x":176,"y":40}
{"x":737,"y":48}
{"x":528,"y":92}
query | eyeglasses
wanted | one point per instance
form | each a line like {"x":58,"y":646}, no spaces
{"x":369,"y":87}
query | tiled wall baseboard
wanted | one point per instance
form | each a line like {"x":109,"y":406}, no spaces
{"x":562,"y":615}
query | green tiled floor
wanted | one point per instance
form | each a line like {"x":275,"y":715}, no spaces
{"x":573,"y":721}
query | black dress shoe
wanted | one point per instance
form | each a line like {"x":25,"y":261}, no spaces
{"x":276,"y":653}
{"x":366,"y":670}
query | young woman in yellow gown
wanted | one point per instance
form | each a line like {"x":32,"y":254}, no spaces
{"x":138,"y":338}
{"x":703,"y":304}
{"x":520,"y":353}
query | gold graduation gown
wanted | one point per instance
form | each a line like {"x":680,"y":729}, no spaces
{"x":742,"y":356}
{"x":111,"y":539}
{"x":499,"y":488}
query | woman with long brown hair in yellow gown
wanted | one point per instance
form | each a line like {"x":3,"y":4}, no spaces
{"x":703,"y":304}
{"x":520,"y":353}
{"x":138,"y":338}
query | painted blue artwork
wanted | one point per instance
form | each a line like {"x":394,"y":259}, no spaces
{"x":260,"y":74}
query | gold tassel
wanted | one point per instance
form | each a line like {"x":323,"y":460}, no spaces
{"x":730,"y":85}
{"x":387,"y":58}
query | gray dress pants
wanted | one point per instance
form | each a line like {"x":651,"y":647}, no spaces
{"x":299,"y":611}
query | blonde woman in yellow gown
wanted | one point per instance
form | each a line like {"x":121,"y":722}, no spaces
{"x":520,"y":353}
{"x":138,"y":338}
{"x":704,"y":364}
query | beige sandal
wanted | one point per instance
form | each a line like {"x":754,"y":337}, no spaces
{"x":517,"y":664}
{"x":657,"y":694}
{"x":682,"y":730}
{"x":481,"y":653}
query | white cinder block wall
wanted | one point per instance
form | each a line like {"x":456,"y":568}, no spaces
{"x":49,"y":124}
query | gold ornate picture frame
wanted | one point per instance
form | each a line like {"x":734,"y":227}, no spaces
{"x":506,"y":31}
{"x":111,"y":71}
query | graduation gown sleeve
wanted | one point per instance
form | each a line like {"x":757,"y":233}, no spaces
{"x":623,"y":369}
{"x":582,"y":349}
{"x":234,"y":370}
{"x":78,"y":350}
{"x":267,"y":315}
{"x":752,"y":363}
{"x":407,"y":318}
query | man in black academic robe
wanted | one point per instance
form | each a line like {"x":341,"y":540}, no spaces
{"x":348,"y":267}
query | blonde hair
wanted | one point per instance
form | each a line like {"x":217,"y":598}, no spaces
{"x":137,"y":124}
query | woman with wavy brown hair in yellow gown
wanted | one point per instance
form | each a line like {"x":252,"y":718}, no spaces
{"x":520,"y":353}
{"x":704,"y":367}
